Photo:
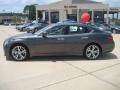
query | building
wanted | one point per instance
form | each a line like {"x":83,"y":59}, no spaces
{"x":12,"y":18}
{"x":73,"y":9}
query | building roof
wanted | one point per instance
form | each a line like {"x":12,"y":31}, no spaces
{"x":74,"y":4}
{"x":83,"y":1}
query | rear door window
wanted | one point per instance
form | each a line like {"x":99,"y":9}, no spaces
{"x":76,"y":30}
{"x":73,"y":29}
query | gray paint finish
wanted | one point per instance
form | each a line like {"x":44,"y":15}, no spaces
{"x":69,"y":44}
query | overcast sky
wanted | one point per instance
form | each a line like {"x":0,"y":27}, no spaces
{"x":17,"y":5}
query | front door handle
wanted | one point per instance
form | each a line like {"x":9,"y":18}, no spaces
{"x":84,"y":37}
{"x":60,"y":39}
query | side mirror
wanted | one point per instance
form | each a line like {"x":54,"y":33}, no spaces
{"x":44,"y":35}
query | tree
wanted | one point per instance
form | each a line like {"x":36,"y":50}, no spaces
{"x":30,"y":10}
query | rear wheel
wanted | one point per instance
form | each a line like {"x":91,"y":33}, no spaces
{"x":19,"y":53}
{"x":92,"y":52}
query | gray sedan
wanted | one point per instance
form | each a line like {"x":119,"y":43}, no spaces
{"x":60,"y":39}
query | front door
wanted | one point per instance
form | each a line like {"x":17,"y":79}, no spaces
{"x":53,"y":43}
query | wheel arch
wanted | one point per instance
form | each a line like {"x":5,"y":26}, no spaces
{"x":94,"y":44}
{"x":19,"y":43}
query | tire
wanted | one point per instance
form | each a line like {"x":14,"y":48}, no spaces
{"x":114,"y":31}
{"x":19,"y":53}
{"x":92,"y":52}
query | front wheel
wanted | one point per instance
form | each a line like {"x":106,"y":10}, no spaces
{"x":92,"y":52}
{"x":19,"y":53}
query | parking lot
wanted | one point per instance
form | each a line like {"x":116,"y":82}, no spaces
{"x":59,"y":73}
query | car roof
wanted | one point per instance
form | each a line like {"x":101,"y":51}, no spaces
{"x":70,"y":23}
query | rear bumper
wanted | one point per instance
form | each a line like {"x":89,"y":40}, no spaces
{"x":109,"y":47}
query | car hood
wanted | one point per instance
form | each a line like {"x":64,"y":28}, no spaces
{"x":23,"y":36}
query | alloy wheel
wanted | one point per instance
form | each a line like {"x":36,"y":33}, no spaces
{"x":92,"y":52}
{"x":19,"y":53}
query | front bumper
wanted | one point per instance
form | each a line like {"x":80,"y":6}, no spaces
{"x":6,"y":49}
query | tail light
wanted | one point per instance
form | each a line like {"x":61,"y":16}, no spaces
{"x":110,"y":37}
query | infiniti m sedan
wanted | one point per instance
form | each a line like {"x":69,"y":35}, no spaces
{"x":60,"y":39}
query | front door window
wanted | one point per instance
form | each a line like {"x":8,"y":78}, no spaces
{"x":57,"y":30}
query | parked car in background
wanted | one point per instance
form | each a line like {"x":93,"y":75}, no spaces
{"x":115,"y":29}
{"x":22,"y":27}
{"x":40,"y":21}
{"x":35,"y":27}
{"x":6,"y":23}
{"x":101,"y":26}
{"x":60,"y":39}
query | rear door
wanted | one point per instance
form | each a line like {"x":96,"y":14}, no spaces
{"x":76,"y":39}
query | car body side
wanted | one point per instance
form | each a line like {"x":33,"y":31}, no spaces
{"x":72,"y":45}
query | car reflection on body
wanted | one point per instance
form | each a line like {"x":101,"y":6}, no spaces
{"x":60,"y":39}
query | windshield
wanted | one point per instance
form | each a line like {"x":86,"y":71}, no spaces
{"x":44,"y":29}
